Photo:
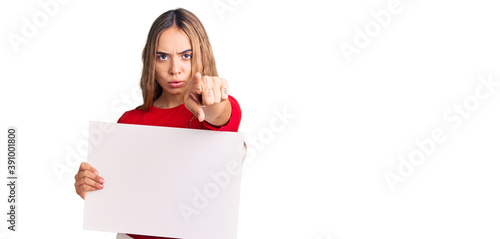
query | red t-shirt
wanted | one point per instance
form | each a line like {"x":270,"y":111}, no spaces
{"x":179,"y":117}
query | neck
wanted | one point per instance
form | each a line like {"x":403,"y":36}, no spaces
{"x":167,"y":101}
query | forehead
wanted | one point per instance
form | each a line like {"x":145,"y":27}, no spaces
{"x":173,"y":39}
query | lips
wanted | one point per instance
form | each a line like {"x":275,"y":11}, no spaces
{"x":176,"y":84}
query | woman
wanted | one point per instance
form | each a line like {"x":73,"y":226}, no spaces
{"x":180,"y":87}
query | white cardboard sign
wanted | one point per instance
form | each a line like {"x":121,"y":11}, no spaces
{"x":161,"y":181}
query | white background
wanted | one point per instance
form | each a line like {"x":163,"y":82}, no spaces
{"x":321,"y":175}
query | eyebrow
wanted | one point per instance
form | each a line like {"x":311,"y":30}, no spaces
{"x":183,"y":52}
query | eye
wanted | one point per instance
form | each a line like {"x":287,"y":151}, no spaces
{"x":162,"y":57}
{"x":186,"y":56}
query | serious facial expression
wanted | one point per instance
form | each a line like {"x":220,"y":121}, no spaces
{"x":173,"y":61}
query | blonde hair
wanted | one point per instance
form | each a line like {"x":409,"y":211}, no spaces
{"x":202,"y":59}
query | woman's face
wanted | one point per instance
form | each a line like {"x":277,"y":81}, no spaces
{"x":173,"y":61}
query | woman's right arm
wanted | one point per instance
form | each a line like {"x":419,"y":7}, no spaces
{"x":87,"y":179}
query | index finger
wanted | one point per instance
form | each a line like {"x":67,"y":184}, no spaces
{"x":196,"y":83}
{"x":86,"y":166}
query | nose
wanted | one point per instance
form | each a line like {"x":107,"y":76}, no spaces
{"x":174,"y":67}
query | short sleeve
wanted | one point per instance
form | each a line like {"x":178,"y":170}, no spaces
{"x":234,"y":120}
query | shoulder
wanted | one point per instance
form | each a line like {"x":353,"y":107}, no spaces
{"x":131,"y":115}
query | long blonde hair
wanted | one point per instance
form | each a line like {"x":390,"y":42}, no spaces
{"x":202,"y":59}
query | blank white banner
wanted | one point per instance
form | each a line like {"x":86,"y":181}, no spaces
{"x":161,"y":181}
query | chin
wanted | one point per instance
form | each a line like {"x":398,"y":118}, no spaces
{"x":176,"y":91}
